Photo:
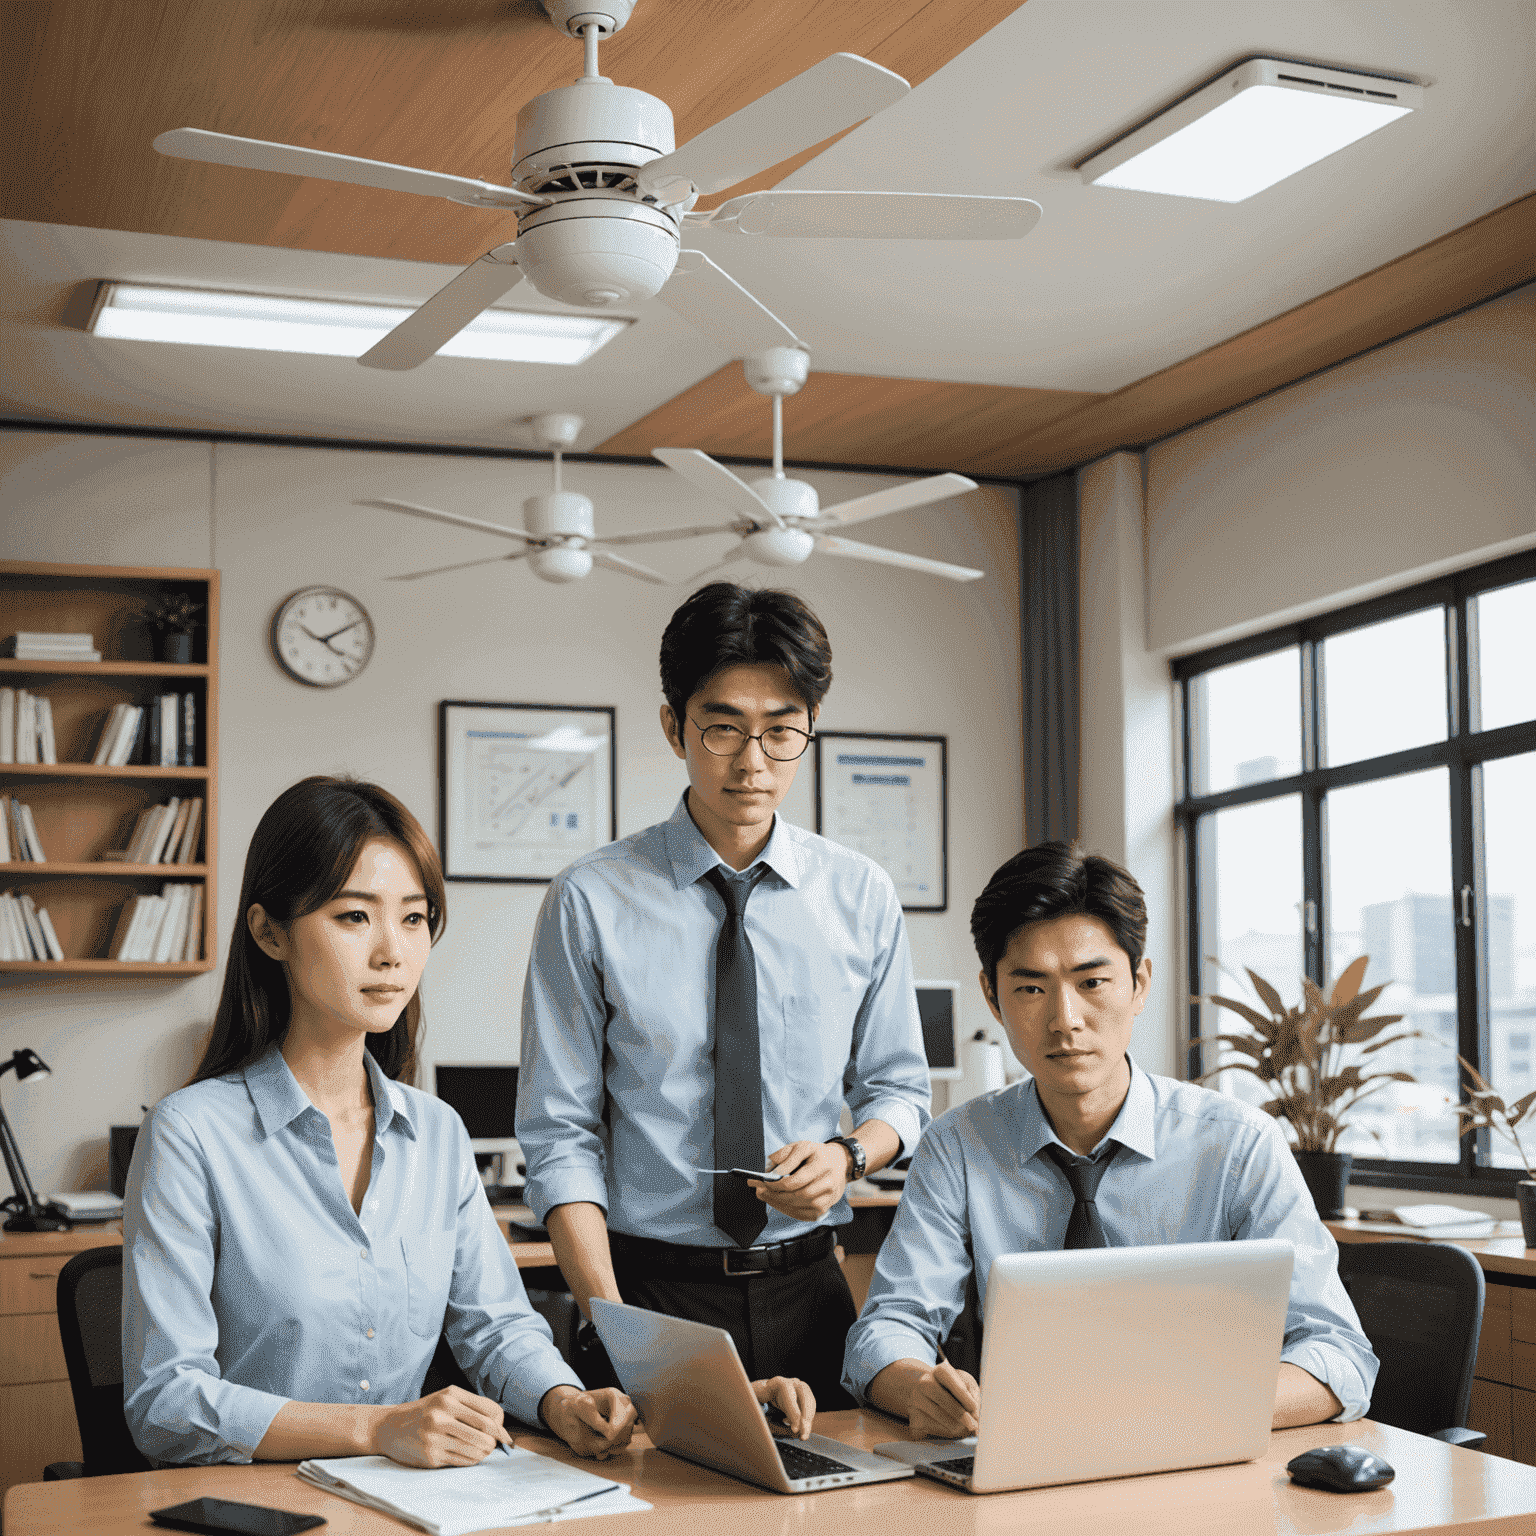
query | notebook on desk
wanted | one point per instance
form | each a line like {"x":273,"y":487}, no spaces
{"x":1110,"y":1362}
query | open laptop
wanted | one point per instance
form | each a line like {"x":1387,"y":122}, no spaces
{"x":1110,"y":1362}
{"x":697,"y":1403}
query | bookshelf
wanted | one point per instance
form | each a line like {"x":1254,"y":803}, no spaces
{"x":83,"y":810}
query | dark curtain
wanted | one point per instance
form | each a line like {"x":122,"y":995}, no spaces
{"x":1048,"y":555}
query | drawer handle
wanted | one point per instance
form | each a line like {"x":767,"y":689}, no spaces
{"x":51,"y":1275}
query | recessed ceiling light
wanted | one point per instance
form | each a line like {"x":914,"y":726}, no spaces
{"x":332,"y":328}
{"x":1254,"y":125}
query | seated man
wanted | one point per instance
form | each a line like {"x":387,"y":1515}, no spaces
{"x":1090,"y":1152}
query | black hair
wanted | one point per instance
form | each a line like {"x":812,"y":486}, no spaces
{"x":305,"y":846}
{"x":1057,"y":879}
{"x":727,"y":625}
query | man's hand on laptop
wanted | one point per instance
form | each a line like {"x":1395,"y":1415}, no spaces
{"x":936,"y":1400}
{"x":596,"y":1423}
{"x":815,"y":1175}
{"x":794,"y":1400}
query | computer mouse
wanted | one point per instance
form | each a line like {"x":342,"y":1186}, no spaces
{"x":1340,"y":1469}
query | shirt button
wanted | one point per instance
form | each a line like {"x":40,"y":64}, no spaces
{"x":364,"y":1252}
{"x":370,"y":1333}
{"x":373,"y":1205}
{"x":363,"y":1385}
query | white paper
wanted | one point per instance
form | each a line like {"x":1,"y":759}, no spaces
{"x":883,"y":797}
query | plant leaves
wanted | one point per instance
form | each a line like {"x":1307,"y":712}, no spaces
{"x":1264,"y":1025}
{"x":1271,"y":997}
{"x":1316,"y":1002}
{"x":1381,"y":1045}
{"x":1361,"y":1030}
{"x":1263,"y":1071}
{"x":1517,"y":1110}
{"x":1349,"y":981}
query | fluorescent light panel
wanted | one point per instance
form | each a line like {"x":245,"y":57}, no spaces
{"x":1253,"y":126}
{"x":331,"y":328}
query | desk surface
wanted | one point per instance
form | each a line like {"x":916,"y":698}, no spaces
{"x":1499,"y":1255}
{"x":1438,"y":1488}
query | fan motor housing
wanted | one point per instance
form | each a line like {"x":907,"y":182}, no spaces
{"x":593,"y":122}
{"x":593,"y":252}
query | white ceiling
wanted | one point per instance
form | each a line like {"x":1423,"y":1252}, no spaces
{"x":1110,"y":287}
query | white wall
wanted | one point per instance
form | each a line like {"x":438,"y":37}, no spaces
{"x":911,"y":653}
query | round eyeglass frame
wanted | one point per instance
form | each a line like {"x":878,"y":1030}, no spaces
{"x":743,"y":738}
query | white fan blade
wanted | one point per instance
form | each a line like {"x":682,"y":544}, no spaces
{"x":703,"y":473}
{"x":717,"y":306}
{"x":835,"y":94}
{"x":452,"y":518}
{"x":619,"y":563}
{"x":291,"y":160}
{"x":830,"y":544}
{"x":739,"y":553}
{"x":879,"y":215}
{"x":463,"y":565}
{"x":898,"y":499}
{"x":662,"y":534}
{"x":447,"y":312}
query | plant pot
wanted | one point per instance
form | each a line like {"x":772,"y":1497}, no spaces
{"x":176,"y":646}
{"x":1327,"y":1176}
{"x":1525,"y":1194}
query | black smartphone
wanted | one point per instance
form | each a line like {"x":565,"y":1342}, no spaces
{"x":215,"y":1517}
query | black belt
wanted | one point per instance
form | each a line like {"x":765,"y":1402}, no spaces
{"x":646,"y":1255}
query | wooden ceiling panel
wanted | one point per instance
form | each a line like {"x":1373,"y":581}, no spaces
{"x":90,"y":83}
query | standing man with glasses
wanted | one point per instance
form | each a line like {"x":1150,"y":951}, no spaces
{"x":707,"y":994}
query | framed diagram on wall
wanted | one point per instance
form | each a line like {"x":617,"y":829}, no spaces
{"x":523,"y":788}
{"x":888,"y":798}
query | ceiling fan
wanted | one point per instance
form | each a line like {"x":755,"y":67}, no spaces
{"x":780,"y":521}
{"x":603,"y":196}
{"x":557,"y":539}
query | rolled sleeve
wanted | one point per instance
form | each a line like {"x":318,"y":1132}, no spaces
{"x":177,"y":1404}
{"x":1322,"y":1330}
{"x":560,"y":1086}
{"x":918,"y":1288}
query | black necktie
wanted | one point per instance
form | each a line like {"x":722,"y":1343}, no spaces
{"x":1084,"y":1229}
{"x":738,"y":1065}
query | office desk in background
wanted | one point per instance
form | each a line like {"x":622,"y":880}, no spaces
{"x":1439,"y":1488}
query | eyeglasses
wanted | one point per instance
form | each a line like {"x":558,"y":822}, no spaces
{"x":782,"y":743}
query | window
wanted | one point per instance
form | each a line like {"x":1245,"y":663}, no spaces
{"x":1365,"y":783}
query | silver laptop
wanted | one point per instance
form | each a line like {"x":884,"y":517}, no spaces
{"x":1109,"y":1362}
{"x":697,"y":1403}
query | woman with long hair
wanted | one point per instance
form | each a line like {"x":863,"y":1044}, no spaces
{"x":301,"y":1226}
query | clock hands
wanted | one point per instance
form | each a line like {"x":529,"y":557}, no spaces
{"x":325,"y":640}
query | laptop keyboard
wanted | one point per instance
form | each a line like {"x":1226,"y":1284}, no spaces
{"x":960,"y":1466}
{"x":799,"y":1462}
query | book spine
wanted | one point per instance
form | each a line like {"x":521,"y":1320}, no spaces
{"x":108,"y":735}
{"x":5,"y":830}
{"x":152,"y":743}
{"x":33,"y":840}
{"x":26,"y":728}
{"x":7,"y":725}
{"x":189,"y":730}
{"x":55,"y":949}
{"x":193,"y":949}
{"x":169,"y":711}
{"x":45,"y":729}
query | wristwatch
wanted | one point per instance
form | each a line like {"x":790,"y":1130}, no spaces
{"x":855,"y":1151}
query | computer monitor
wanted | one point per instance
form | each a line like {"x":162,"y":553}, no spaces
{"x":938,"y":1006}
{"x":485,"y":1096}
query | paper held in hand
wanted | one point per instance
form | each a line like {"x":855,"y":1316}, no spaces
{"x":513,"y":1488}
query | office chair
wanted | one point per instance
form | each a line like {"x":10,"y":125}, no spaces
{"x":90,"y":1302}
{"x":1421,"y":1306}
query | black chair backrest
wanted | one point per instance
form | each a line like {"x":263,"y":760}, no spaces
{"x":90,"y":1299}
{"x":1421,"y":1306}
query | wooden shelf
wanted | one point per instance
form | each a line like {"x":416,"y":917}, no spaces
{"x":10,"y":664}
{"x":97,"y":771}
{"x":108,"y":870}
{"x":106,"y":967}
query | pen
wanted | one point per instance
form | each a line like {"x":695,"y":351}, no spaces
{"x":555,"y":1509}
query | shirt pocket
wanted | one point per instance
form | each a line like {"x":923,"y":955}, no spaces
{"x":428,"y":1280}
{"x":817,"y":1042}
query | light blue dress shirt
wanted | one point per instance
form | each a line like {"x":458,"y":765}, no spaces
{"x":615,"y":1102}
{"x":1193,"y":1166}
{"x":248,"y":1279}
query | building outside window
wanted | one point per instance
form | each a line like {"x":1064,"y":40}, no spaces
{"x":1365,"y":783}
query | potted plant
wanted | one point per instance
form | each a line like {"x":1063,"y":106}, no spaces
{"x":172,"y":616}
{"x":1489,"y":1112}
{"x":1298,"y":1053}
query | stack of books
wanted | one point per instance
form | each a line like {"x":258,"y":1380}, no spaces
{"x":19,"y":842}
{"x":25,"y":932}
{"x":164,"y":834}
{"x":44,"y":645}
{"x":162,"y":733}
{"x":26,"y":727}
{"x":162,"y":929}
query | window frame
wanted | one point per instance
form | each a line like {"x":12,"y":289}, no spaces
{"x":1463,"y":752}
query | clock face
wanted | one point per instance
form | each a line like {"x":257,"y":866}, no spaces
{"x":322,"y":637}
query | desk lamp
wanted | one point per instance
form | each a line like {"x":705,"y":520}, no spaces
{"x":29,"y":1214}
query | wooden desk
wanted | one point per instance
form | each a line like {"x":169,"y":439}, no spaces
{"x":1499,"y":1256}
{"x":1439,"y":1488}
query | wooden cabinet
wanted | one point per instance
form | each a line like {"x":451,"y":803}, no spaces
{"x":82,"y":810}
{"x":37,"y":1411}
{"x":1504,"y":1393}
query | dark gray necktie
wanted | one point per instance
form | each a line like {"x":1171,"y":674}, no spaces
{"x":1084,"y":1229}
{"x":738,"y":1065}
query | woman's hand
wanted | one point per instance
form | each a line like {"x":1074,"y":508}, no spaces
{"x":452,"y":1428}
{"x":596,"y":1423}
{"x":792,"y":1398}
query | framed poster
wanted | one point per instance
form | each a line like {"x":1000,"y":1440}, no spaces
{"x":523,"y":788}
{"x":888,"y":798}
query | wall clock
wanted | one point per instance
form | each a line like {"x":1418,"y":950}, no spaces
{"x":322,"y":637}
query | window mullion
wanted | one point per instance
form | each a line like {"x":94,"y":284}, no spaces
{"x":1314,"y":908}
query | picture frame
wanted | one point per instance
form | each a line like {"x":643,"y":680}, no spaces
{"x":887,"y":796}
{"x":523,"y":789}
